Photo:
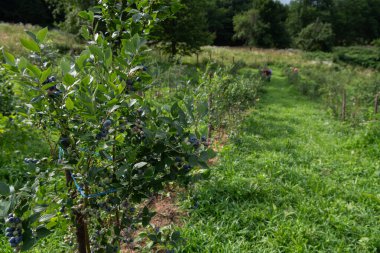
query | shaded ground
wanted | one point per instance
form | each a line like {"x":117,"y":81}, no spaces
{"x":292,"y":182}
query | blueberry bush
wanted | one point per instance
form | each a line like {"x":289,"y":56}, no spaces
{"x":113,"y":147}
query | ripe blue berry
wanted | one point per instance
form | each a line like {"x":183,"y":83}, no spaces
{"x":18,"y":239}
{"x":107,"y":123}
{"x":9,"y":230}
{"x":12,"y":240}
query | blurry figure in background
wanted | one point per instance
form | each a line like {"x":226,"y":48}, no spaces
{"x":266,"y":73}
{"x":293,"y":75}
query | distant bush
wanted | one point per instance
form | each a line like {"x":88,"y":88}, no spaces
{"x":367,"y":57}
{"x":6,"y":95}
{"x":376,"y":43}
{"x":317,"y":36}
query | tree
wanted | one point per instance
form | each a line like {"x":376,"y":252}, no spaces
{"x":317,"y":36}
{"x":186,"y":31}
{"x":304,"y":12}
{"x":25,"y":11}
{"x":357,"y":21}
{"x":263,"y":26}
{"x":220,"y":18}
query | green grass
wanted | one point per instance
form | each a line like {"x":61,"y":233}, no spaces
{"x":289,"y":183}
{"x":367,"y":57}
{"x":10,"y":35}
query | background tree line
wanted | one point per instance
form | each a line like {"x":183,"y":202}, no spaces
{"x":306,"y":24}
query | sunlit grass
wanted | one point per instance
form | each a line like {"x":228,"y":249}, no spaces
{"x":288,"y":184}
{"x":10,"y":35}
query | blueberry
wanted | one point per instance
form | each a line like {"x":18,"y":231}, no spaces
{"x":9,"y":229}
{"x":17,"y":220}
{"x":104,"y":133}
{"x":186,"y":167}
{"x":192,"y":139}
{"x":12,"y":240}
{"x":52,"y":88}
{"x":33,"y":160}
{"x":132,"y":209}
{"x":98,"y":136}
{"x":13,"y":245}
{"x":18,"y":239}
{"x":145,"y":68}
{"x":11,"y":220}
{"x":203,"y":138}
{"x":49,"y":80}
{"x":178,"y":159}
{"x":107,"y":123}
{"x":64,"y":141}
{"x":10,"y":215}
{"x":9,"y":234}
{"x":26,"y":160}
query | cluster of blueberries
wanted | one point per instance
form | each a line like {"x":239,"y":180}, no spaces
{"x":30,"y":160}
{"x":196,"y":143}
{"x":185,"y":167}
{"x":14,"y":230}
{"x":104,"y":132}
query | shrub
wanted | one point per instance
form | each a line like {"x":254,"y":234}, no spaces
{"x":317,"y":36}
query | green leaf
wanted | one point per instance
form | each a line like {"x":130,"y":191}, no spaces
{"x":31,"y":35}
{"x":30,"y":44}
{"x":139,"y":165}
{"x":96,"y":51}
{"x":9,"y":58}
{"x":46,"y":217}
{"x":82,"y":58}
{"x":68,"y":79}
{"x":40,"y":208}
{"x":22,"y":63}
{"x":108,"y":55}
{"x":4,"y":207}
{"x":202,"y":109}
{"x":4,"y":189}
{"x":69,"y":104}
{"x":28,"y":240}
{"x":175,"y":236}
{"x":34,"y":70}
{"x":85,"y":33}
{"x":65,"y":66}
{"x":42,"y":232}
{"x":44,"y":75}
{"x":41,"y":34}
{"x":83,"y":14}
{"x":193,"y":161}
{"x":207,"y":155}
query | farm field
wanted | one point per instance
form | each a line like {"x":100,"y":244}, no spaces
{"x":292,"y":181}
{"x":297,"y":167}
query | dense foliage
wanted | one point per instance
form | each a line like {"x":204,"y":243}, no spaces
{"x":114,"y":147}
{"x":262,"y":23}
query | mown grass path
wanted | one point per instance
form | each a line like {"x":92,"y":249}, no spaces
{"x":292,"y":182}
